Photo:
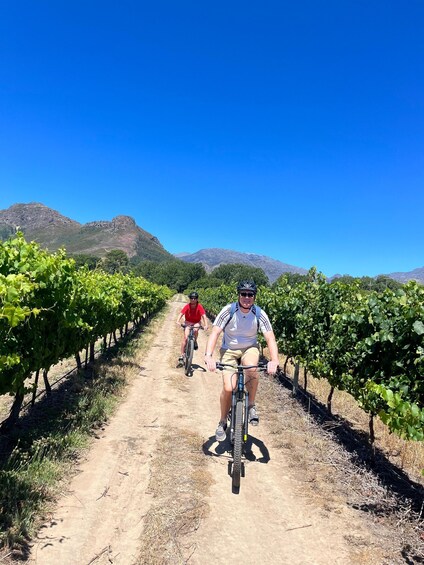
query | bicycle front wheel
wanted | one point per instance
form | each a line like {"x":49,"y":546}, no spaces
{"x":189,"y":356}
{"x":238,"y":444}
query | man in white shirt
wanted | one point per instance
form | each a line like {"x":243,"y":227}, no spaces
{"x":240,"y":345}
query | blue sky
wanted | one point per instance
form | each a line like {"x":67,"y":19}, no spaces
{"x":289,"y":129}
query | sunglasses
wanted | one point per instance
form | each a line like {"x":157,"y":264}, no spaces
{"x":193,"y":298}
{"x":247,"y":294}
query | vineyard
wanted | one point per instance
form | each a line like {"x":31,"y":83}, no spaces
{"x":369,"y":344}
{"x":50,"y":311}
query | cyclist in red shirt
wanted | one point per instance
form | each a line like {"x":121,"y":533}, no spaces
{"x":193,"y":313}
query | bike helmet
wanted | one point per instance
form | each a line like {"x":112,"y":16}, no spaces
{"x":193,"y":295}
{"x":247,"y":285}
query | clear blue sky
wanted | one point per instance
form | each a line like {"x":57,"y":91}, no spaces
{"x":289,"y":129}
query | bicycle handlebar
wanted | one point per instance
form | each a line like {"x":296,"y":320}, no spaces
{"x":199,"y":327}
{"x":260,"y":366}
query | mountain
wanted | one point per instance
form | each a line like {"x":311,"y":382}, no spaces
{"x":211,"y":258}
{"x":52,"y":230}
{"x":415,"y":275}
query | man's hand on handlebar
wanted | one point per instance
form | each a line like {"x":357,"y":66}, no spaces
{"x":272,"y":367}
{"x":210,"y":363}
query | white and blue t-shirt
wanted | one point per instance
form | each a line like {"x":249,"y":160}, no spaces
{"x":242,"y":330}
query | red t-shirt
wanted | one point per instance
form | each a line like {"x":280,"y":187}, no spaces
{"x":193,"y":315}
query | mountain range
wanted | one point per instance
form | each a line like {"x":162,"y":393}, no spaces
{"x":214,"y":257}
{"x":52,"y":230}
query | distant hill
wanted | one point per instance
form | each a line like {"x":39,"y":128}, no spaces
{"x":52,"y":231}
{"x":415,"y":275}
{"x":211,"y":258}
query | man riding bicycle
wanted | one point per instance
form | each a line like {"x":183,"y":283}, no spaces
{"x":193,"y":313}
{"x":240,"y":345}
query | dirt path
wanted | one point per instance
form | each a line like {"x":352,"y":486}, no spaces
{"x":103,"y":516}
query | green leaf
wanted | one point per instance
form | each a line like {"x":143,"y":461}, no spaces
{"x":14,"y":315}
{"x":415,"y":411}
{"x":418,"y":327}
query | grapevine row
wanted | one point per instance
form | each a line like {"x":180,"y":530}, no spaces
{"x":50,"y":310}
{"x":368,"y":344}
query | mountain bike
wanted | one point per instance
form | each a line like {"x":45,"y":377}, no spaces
{"x":189,"y":347}
{"x":239,"y":417}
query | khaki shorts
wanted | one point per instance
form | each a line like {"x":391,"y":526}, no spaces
{"x":238,"y":356}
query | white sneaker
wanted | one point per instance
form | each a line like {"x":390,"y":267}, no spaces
{"x":220,"y":434}
{"x":253,"y":416}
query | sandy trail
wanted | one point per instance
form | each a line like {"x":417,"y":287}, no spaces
{"x":101,"y":517}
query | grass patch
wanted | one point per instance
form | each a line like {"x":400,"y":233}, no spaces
{"x":39,"y":454}
{"x":179,"y":485}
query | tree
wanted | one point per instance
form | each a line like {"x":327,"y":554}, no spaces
{"x":115,"y":261}
{"x":345,"y":279}
{"x":383,"y":281}
{"x":292,"y":279}
{"x":91,"y":261}
{"x":377,"y":284}
{"x":208,"y":282}
{"x":176,"y":274}
{"x":232,"y":273}
{"x":146,"y":269}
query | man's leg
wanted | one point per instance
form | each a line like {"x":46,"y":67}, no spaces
{"x":229,"y":379}
{"x":228,"y":383}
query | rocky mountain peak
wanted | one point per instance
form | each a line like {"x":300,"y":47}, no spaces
{"x":53,"y":231}
{"x":33,"y":216}
{"x":124,"y":222}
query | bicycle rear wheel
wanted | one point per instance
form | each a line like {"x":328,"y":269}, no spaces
{"x":189,"y":356}
{"x":238,"y":444}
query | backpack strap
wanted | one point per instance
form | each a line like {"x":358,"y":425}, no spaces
{"x":257,"y":311}
{"x":233,"y":308}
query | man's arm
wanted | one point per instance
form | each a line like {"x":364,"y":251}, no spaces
{"x":273,"y":351}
